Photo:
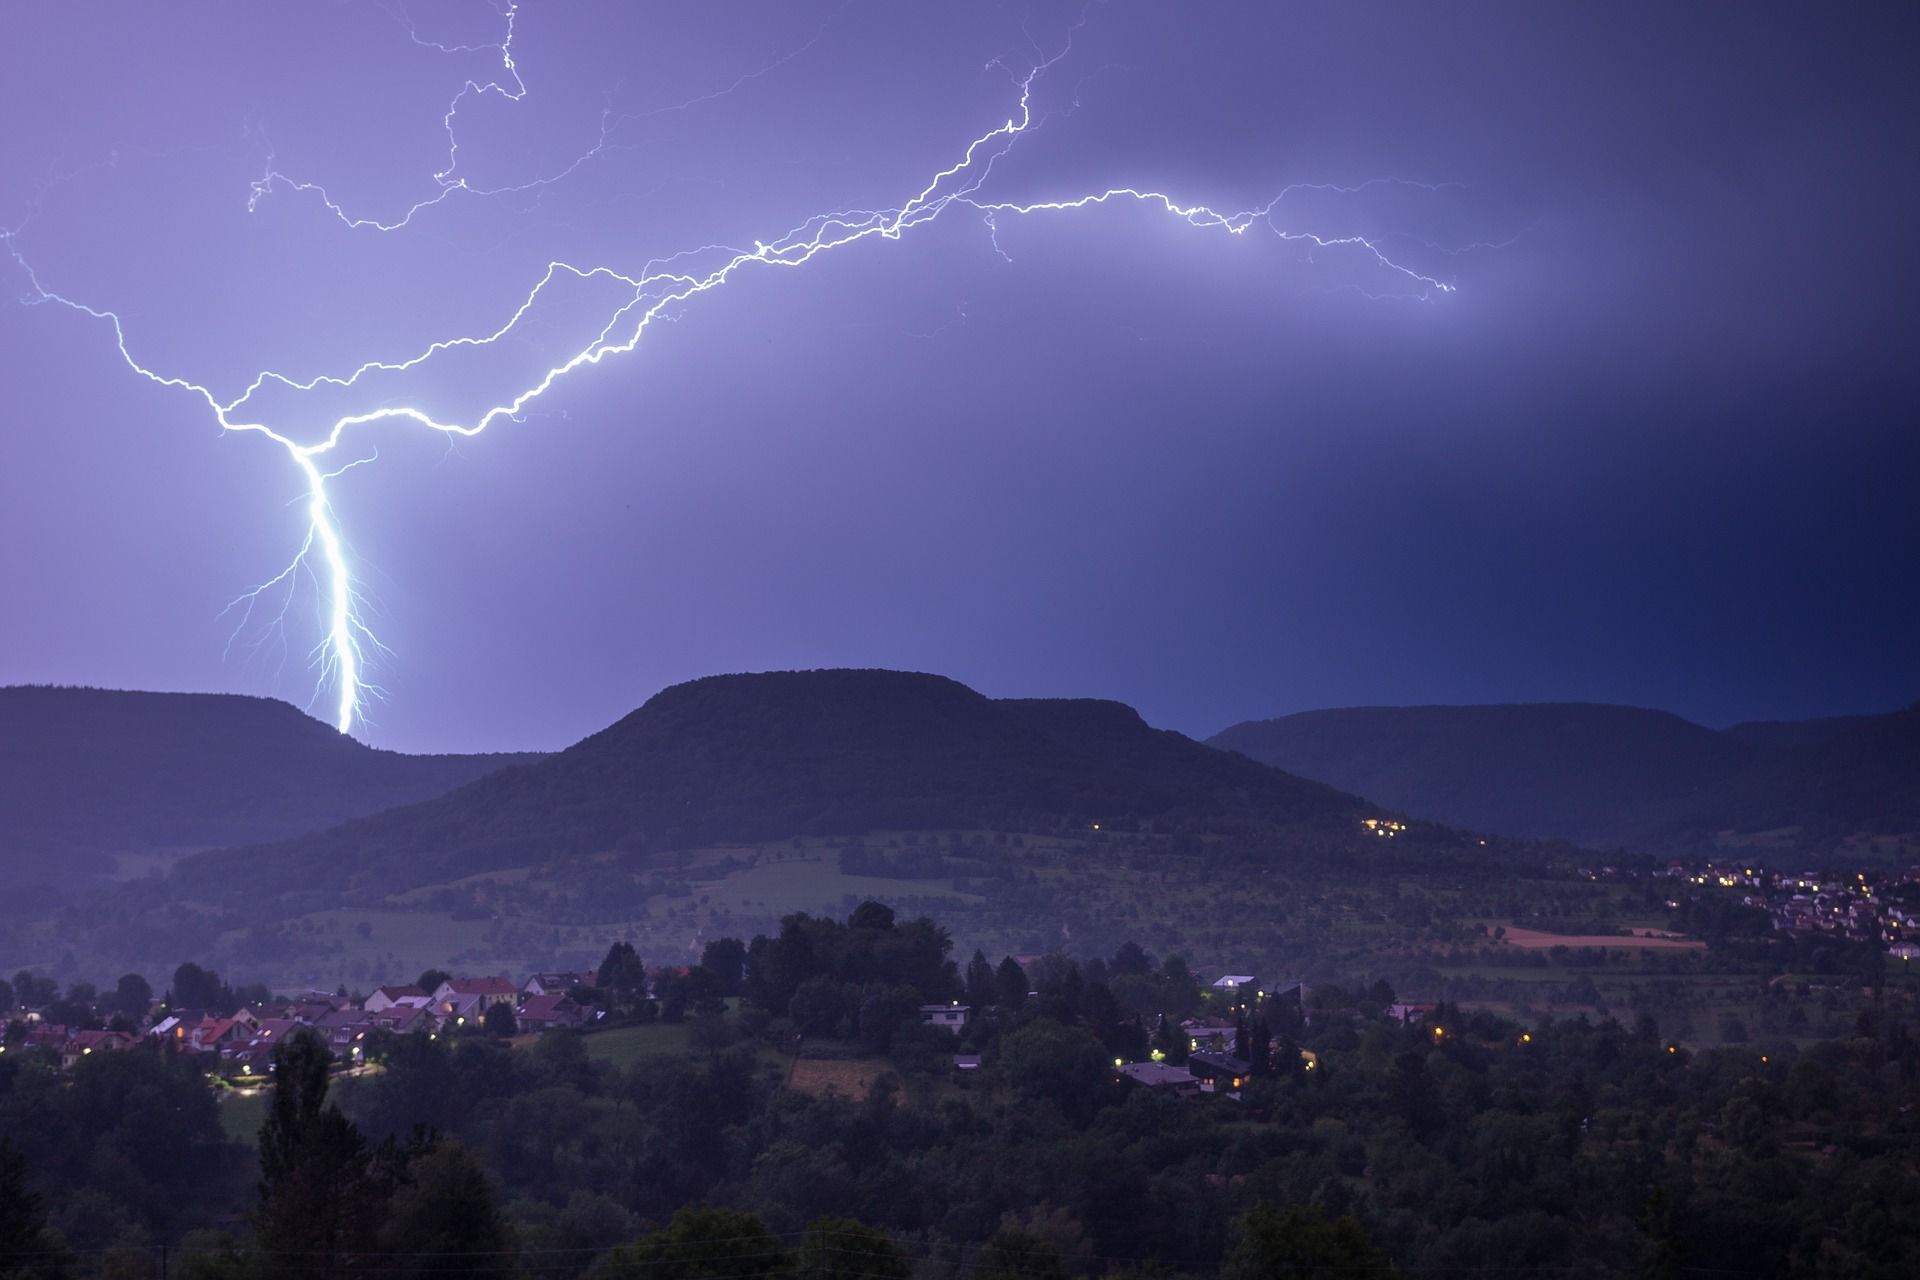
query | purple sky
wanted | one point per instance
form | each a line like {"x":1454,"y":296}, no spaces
{"x":1658,"y":447}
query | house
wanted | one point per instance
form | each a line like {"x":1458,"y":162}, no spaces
{"x":1159,"y":1075}
{"x":384,"y":998}
{"x":211,"y":1035}
{"x":471,"y":997}
{"x":1219,"y":1072}
{"x":404,"y":1020}
{"x":46,"y":1035}
{"x":545,"y":1012}
{"x":346,"y":1032}
{"x":557,"y":984}
{"x":1211,"y":1034}
{"x":273,"y":1030}
{"x":255,"y":1058}
{"x":951,"y":1016}
{"x":310,"y":1009}
{"x":82,"y":1043}
{"x":1230,"y":984}
{"x":966,"y":1062}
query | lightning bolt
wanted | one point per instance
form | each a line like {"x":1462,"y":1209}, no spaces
{"x":656,"y":291}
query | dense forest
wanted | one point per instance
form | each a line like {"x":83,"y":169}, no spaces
{"x":1458,"y":1143}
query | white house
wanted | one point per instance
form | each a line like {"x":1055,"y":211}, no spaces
{"x":385,"y":998}
{"x":951,"y":1016}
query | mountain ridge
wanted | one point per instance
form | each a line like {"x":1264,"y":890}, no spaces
{"x":769,"y":755}
{"x":87,"y":773}
{"x":1612,"y":776}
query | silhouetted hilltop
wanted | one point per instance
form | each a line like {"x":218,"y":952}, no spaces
{"x":768,"y":756}
{"x":87,"y":773}
{"x":1612,"y":777}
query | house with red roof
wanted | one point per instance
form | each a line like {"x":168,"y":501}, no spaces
{"x":544,"y":1013}
{"x":81,"y":1044}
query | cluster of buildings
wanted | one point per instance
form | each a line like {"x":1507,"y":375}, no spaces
{"x":1214,"y":1043}
{"x":242,"y":1043}
{"x":1857,"y":905}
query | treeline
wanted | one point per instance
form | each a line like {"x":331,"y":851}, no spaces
{"x":1466,"y":1143}
{"x":330,"y":1204}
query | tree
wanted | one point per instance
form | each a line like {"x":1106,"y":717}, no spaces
{"x":622,"y":972}
{"x":1047,"y":1059}
{"x":197,"y":988}
{"x":319,"y":1200}
{"x":726,"y":959}
{"x":871,"y":915}
{"x":430,"y":979}
{"x":1169,"y":1041}
{"x":6,"y":997}
{"x":1302,"y":1241}
{"x":132,"y":997}
{"x":979,"y":982}
{"x":33,"y":992}
{"x":27,"y":1251}
{"x":1011,"y":983}
{"x":884,"y":1008}
{"x":499,"y":1020}
{"x":819,"y":1007}
{"x":1131,"y":959}
{"x":444,"y":1219}
{"x":1259,"y":1045}
{"x":842,"y":1249}
{"x":699,"y":1244}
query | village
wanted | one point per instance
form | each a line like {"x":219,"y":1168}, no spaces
{"x":1875,"y":905}
{"x":239,"y":1044}
{"x":1225,"y":1043}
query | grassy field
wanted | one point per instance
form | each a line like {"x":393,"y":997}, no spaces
{"x":242,"y":1114}
{"x":848,"y":1077}
{"x":624,"y":1046}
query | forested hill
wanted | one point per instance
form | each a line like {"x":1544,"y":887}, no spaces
{"x":1613,"y":777}
{"x":763,"y":757}
{"x":88,"y":773}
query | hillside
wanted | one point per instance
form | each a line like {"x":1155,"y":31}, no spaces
{"x":763,"y":757}
{"x":89,"y":773}
{"x":1614,"y":776}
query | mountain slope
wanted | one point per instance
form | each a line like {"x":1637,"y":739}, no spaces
{"x":88,"y":773}
{"x":1611,"y":776}
{"x":761,"y":757}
